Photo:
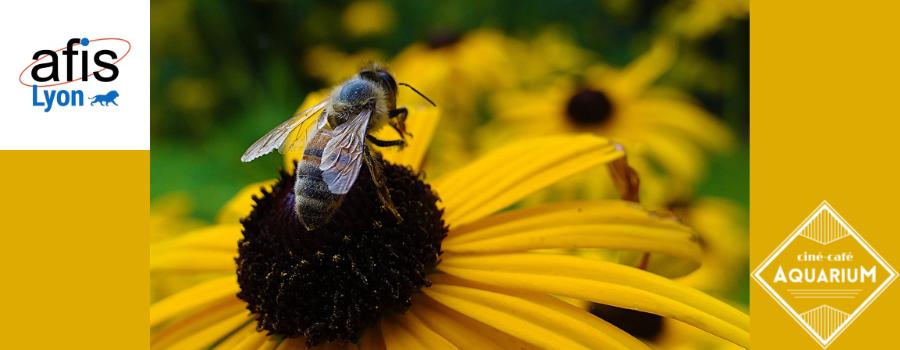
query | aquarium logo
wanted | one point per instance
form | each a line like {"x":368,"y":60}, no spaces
{"x":96,"y":60}
{"x":824,"y":275}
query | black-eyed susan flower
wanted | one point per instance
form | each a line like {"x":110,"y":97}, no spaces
{"x":666,"y":134}
{"x":453,"y":274}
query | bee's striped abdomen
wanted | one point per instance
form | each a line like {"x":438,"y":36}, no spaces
{"x":313,"y":202}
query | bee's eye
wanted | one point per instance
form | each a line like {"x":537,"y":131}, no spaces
{"x":389,"y":80}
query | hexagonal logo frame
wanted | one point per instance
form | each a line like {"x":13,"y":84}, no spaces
{"x":813,"y":274}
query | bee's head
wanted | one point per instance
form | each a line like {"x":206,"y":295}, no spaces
{"x":382,"y":77}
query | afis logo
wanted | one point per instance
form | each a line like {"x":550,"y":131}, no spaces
{"x":96,"y":60}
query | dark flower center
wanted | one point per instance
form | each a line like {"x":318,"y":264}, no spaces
{"x":443,"y":38}
{"x":639,"y":324}
{"x":589,"y":108}
{"x":331,"y":283}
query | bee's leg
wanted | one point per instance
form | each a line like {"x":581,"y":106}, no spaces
{"x":375,"y":163}
{"x":401,"y":112}
{"x":382,"y":143}
{"x":398,"y":121}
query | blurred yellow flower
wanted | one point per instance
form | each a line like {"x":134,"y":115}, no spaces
{"x":368,"y":18}
{"x":665,"y":132}
{"x":696,"y":19}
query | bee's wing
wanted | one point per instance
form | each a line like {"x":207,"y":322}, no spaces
{"x":275,"y":139}
{"x":343,"y":154}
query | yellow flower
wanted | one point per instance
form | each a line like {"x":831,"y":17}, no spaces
{"x":368,"y":18}
{"x":665,"y":133}
{"x":492,"y":287}
{"x":699,"y":18}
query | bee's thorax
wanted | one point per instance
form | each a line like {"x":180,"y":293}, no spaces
{"x":355,"y":96}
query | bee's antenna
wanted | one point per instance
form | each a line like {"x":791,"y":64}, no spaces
{"x":417,"y":91}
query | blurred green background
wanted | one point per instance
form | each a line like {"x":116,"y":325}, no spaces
{"x":225,"y":72}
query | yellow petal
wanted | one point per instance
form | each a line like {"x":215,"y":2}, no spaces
{"x":508,"y":174}
{"x":372,"y":339}
{"x":539,"y":319}
{"x":604,"y":283}
{"x":209,"y":335}
{"x":461,"y":330}
{"x":634,"y":78}
{"x":194,"y":260}
{"x":610,"y":225}
{"x":203,"y":328}
{"x":240,"y":206}
{"x":222,"y":237}
{"x":421,"y":124}
{"x":252,"y":341}
{"x":246,"y":338}
{"x":201,"y":294}
{"x":548,"y":216}
{"x":699,"y":125}
{"x":408,"y":332}
{"x":615,"y":237}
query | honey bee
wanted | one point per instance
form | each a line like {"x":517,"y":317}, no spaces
{"x":341,"y":140}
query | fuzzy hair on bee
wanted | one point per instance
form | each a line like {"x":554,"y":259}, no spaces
{"x":340,"y":142}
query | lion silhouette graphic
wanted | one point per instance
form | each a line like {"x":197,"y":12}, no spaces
{"x":106,"y":99}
